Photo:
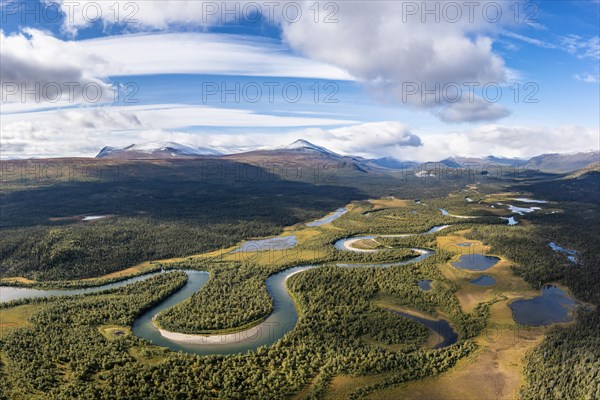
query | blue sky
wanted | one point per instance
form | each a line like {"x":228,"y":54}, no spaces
{"x":359,"y":78}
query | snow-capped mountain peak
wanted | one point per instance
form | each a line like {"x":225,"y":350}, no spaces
{"x":151,"y":147}
{"x":156,"y":150}
{"x":304,"y":145}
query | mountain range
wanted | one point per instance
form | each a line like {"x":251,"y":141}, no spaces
{"x":302,"y":150}
{"x":154,"y":150}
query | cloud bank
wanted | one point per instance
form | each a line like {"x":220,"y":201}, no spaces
{"x":38,"y":68}
{"x":383,"y":44}
{"x":81,"y":131}
{"x":521,"y":141}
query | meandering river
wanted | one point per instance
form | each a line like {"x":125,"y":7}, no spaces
{"x":282,"y":320}
{"x":284,"y":316}
{"x":9,"y":293}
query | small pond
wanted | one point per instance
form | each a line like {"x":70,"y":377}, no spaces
{"x":570,"y":253}
{"x":475,"y":262}
{"x":511,"y":220}
{"x":94,"y":217}
{"x":484,"y":280}
{"x":425,"y":285}
{"x":524,"y":200}
{"x":522,"y":210}
{"x":552,"y":306}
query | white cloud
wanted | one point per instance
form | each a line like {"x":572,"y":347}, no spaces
{"x":81,"y":131}
{"x":394,"y":139}
{"x":137,"y":16}
{"x":587,"y":78}
{"x":63,"y":73}
{"x":38,"y":68}
{"x":502,"y":140}
{"x":572,"y":44}
{"x":472,"y":111}
{"x":381,"y":43}
{"x":582,"y":48}
{"x":369,"y":140}
{"x":36,"y":56}
{"x":204,"y":53}
{"x":378,"y":45}
{"x":527,"y":39}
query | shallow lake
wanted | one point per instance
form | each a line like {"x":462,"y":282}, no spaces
{"x":330,"y":218}
{"x":270,"y":244}
{"x":511,"y":220}
{"x":94,"y":217}
{"x":522,"y":210}
{"x":552,"y":306}
{"x":570,"y":253}
{"x":484,"y":280}
{"x":475,"y":262}
{"x":524,"y":200}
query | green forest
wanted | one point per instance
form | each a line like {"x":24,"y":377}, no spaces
{"x":337,"y":316}
{"x":168,"y":209}
{"x":82,"y":347}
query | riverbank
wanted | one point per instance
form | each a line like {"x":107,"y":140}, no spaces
{"x":265,"y":328}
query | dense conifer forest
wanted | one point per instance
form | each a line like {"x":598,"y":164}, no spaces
{"x":83,"y":347}
{"x":167,"y":209}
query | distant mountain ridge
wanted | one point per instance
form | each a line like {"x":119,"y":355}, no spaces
{"x":156,"y":150}
{"x":305,"y":150}
{"x":556,"y":163}
{"x":565,"y":162}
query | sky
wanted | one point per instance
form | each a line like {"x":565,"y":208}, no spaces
{"x":413,"y":80}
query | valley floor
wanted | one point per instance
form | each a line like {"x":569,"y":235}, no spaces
{"x":494,"y":368}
